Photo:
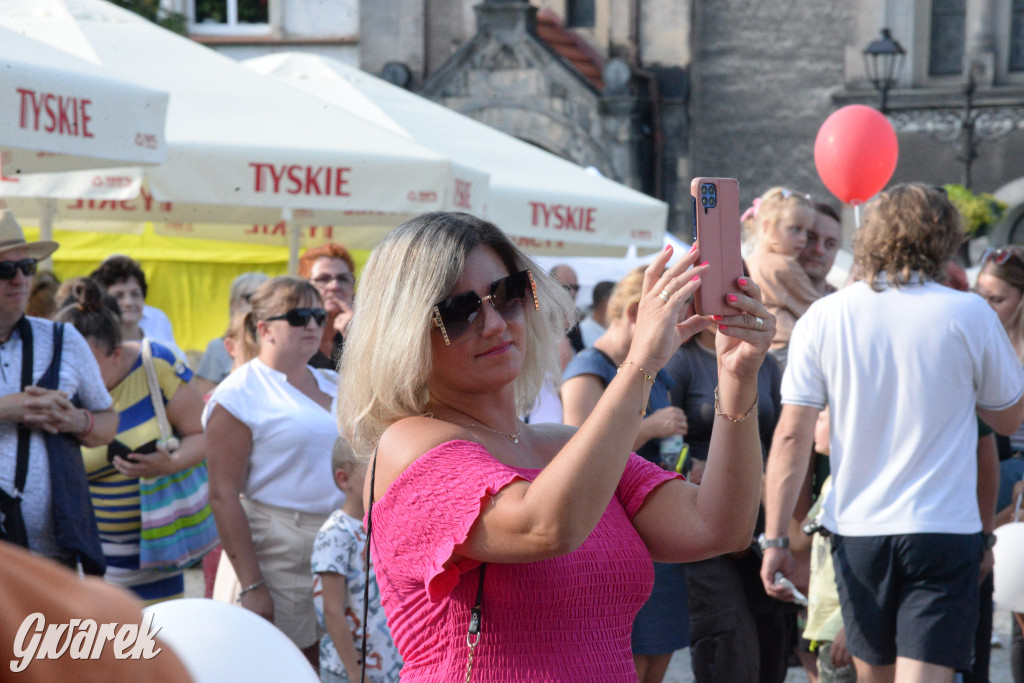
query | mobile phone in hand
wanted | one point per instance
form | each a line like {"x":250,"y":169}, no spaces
{"x":116,"y":448}
{"x":716,"y":225}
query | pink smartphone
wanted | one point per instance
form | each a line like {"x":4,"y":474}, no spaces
{"x":716,"y":225}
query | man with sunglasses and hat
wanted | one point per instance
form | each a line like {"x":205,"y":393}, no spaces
{"x":52,"y":399}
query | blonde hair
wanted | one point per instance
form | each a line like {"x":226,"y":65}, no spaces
{"x":626,"y":292}
{"x":387,"y":359}
{"x":909,"y":228}
{"x":246,"y":283}
{"x":275,"y":296}
{"x":773,"y":203}
{"x":343,"y":457}
{"x":237,"y":335}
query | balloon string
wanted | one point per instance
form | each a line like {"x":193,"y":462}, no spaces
{"x":856,"y":216}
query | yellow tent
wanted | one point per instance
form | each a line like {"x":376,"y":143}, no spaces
{"x":187,"y":278}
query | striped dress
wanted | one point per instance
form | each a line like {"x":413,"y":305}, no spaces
{"x":115,"y":497}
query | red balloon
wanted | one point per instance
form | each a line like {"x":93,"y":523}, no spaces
{"x":856,"y":152}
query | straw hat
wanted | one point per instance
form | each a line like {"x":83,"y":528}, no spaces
{"x":11,"y":237}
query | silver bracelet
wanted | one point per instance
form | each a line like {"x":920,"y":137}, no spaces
{"x":249,"y":589}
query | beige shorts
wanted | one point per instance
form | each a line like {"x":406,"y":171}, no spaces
{"x":283,"y":540}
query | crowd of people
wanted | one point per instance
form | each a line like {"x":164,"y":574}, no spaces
{"x":454,"y":476}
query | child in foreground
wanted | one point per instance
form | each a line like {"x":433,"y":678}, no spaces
{"x":338,"y":583}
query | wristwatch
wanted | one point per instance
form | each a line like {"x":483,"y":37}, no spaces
{"x":990,"y":540}
{"x":765,"y":543}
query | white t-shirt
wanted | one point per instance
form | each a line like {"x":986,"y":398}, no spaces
{"x":292,"y":437}
{"x":902,"y":371}
{"x":79,"y":374}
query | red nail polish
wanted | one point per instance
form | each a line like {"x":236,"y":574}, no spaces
{"x":704,"y":264}
{"x":667,"y":247}
{"x":732,"y":298}
{"x":695,"y":278}
{"x":716,"y":318}
{"x":742,"y":281}
{"x":723,"y":327}
{"x":693,"y":248}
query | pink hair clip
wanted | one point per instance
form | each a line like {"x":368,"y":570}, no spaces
{"x":752,"y":210}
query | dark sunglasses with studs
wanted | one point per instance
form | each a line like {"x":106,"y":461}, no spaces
{"x":299,"y":317}
{"x":996,"y":256}
{"x":456,"y":314}
{"x":9,"y":269}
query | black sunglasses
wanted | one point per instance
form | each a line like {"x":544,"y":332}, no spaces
{"x":299,"y":317}
{"x":456,"y":314}
{"x":9,"y":269}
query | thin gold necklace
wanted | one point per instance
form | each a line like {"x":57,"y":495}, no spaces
{"x":514,"y":438}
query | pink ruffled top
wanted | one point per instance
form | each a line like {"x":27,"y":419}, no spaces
{"x":566,"y":618}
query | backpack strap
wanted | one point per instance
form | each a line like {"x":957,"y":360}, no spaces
{"x":24,"y":433}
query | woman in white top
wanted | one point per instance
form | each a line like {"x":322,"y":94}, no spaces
{"x":269,"y":429}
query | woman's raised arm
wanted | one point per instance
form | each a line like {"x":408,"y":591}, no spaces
{"x":556,"y":512}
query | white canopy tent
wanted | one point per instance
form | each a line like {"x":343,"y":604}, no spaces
{"x":61,"y":113}
{"x":551,"y":206}
{"x":242,"y":148}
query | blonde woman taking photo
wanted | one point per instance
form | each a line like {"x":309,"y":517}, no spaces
{"x":544,"y":533}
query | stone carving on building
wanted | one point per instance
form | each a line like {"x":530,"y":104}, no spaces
{"x":507,"y":77}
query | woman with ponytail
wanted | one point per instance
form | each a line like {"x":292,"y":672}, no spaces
{"x":114,"y":470}
{"x":270,"y":429}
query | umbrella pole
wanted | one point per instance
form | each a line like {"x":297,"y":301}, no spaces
{"x":294,"y":233}
{"x":49,"y":209}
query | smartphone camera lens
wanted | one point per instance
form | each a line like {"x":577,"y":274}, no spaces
{"x":708,"y":196}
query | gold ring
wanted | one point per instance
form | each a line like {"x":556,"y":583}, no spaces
{"x":664,"y":295}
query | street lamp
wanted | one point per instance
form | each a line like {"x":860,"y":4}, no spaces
{"x":883,"y":61}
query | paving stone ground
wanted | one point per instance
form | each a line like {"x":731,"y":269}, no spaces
{"x":679,"y":670}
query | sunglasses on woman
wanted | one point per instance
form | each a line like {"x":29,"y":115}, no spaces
{"x":9,"y":269}
{"x":996,"y":256}
{"x":299,"y":317}
{"x":456,"y":314}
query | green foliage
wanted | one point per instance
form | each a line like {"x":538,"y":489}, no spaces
{"x":150,"y":9}
{"x":979,"y":211}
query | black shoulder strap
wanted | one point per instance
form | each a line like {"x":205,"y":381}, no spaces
{"x":475,"y":614}
{"x":366,"y":566}
{"x":24,"y":434}
{"x":51,"y":378}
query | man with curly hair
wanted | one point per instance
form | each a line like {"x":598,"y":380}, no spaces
{"x":903,"y":364}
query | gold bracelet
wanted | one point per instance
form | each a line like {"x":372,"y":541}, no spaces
{"x":647,"y":380}
{"x":718,"y":411}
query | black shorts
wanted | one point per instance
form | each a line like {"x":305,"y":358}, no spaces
{"x":913,"y":596}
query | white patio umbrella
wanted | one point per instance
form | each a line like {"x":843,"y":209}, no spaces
{"x":549,"y":204}
{"x":239,"y":144}
{"x":61,"y":113}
